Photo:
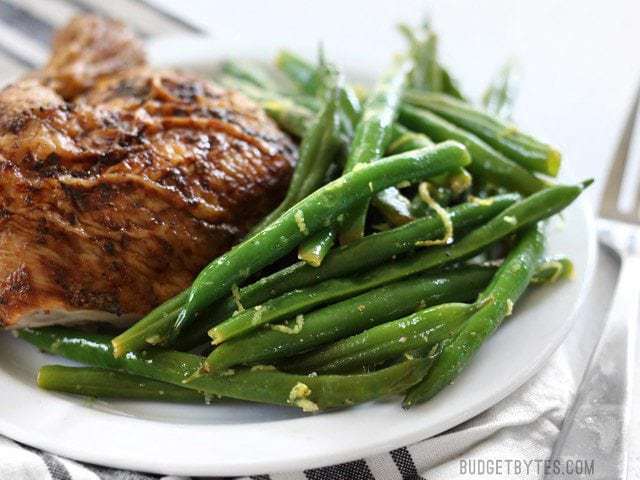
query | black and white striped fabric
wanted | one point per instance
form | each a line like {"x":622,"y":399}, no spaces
{"x":523,"y":426}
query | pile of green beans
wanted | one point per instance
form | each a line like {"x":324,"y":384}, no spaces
{"x":509,"y":284}
{"x":406,"y":297}
{"x":505,"y":138}
{"x":350,"y":316}
{"x":346,"y":260}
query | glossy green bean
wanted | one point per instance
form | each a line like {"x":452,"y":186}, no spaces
{"x":371,"y":139}
{"x":318,"y":149}
{"x":103,"y":383}
{"x":509,"y":283}
{"x":260,"y":384}
{"x":520,"y":147}
{"x":499,"y":97}
{"x":292,"y":118}
{"x":347,"y":260}
{"x":319,"y":210}
{"x":312,"y":80}
{"x":299,"y":71}
{"x":488,"y":164}
{"x":403,"y":139}
{"x":263,"y":95}
{"x":450,"y":85}
{"x":428,"y":73}
{"x":553,"y":269}
{"x":251,"y":73}
{"x":351,"y":316}
{"x":423,"y":50}
{"x":388,"y":341}
{"x":313,"y":250}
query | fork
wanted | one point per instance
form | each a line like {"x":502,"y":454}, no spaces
{"x":597,"y":425}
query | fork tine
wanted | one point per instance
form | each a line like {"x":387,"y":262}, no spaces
{"x":609,"y":203}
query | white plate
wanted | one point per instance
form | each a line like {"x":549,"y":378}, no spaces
{"x":242,"y":439}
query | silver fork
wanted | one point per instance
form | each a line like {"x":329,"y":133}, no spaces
{"x":597,"y":425}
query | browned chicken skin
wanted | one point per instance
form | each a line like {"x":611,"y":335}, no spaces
{"x":118,"y":183}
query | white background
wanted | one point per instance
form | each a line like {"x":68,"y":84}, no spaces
{"x":579,"y":59}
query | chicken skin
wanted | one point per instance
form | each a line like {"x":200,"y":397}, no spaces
{"x":118,"y":182}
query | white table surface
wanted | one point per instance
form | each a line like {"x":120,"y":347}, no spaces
{"x":578,"y":57}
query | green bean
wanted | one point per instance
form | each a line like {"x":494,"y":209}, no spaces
{"x":450,"y":85}
{"x":299,"y":71}
{"x":499,"y":97}
{"x":318,"y":149}
{"x":290,"y":117}
{"x":263,"y":95}
{"x":509,"y":283}
{"x":250,"y":73}
{"x":426,"y":73}
{"x":313,"y":250}
{"x":311,"y":80}
{"x":387,"y":341}
{"x":294,"y":119}
{"x":350,"y":316}
{"x":371,"y":139}
{"x":316,"y":247}
{"x":312,"y":214}
{"x":390,"y":202}
{"x":320,"y":209}
{"x":259,"y":384}
{"x":103,"y":383}
{"x":347,"y":260}
{"x":554,"y":269}
{"x":293,"y":113}
{"x":350,"y":105}
{"x":404,"y":139}
{"x":488,"y":164}
{"x":522,"y":148}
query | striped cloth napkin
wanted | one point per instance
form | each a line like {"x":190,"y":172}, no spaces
{"x":521,"y":428}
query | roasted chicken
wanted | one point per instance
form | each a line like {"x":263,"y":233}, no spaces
{"x":118,"y":182}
